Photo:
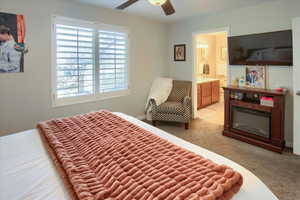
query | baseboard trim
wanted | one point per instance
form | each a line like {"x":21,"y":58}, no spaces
{"x":141,"y":117}
{"x":289,"y":144}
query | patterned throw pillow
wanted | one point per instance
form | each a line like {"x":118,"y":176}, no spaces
{"x":178,"y":94}
{"x":172,"y":107}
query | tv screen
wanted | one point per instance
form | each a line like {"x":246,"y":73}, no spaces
{"x":274,"y":48}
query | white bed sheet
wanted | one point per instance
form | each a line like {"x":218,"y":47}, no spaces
{"x":27,"y":172}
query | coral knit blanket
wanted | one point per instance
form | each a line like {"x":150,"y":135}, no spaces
{"x":103,"y":156}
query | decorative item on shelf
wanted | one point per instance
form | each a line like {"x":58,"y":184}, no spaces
{"x":237,"y":95}
{"x":179,"y":52}
{"x":256,"y":98}
{"x":235,"y":82}
{"x":12,"y":43}
{"x":252,"y":98}
{"x":242,"y":81}
{"x":267,"y":101}
{"x":248,"y":97}
{"x":255,"y":76}
{"x":232,"y":95}
{"x":281,"y":89}
{"x":240,"y":96}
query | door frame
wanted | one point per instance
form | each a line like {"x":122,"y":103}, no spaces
{"x":194,"y":50}
{"x":296,"y":51}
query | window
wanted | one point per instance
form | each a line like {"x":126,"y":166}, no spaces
{"x":90,"y":61}
{"x":75,"y":70}
{"x":113,"y":61}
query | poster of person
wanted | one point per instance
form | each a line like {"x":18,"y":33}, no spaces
{"x":12,"y":43}
{"x":256,"y":76}
{"x":179,"y":52}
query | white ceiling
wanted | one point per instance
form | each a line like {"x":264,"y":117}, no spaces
{"x":184,"y":8}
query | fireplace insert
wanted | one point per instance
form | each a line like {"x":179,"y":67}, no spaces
{"x":251,"y":121}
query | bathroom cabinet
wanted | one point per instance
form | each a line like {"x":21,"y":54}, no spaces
{"x":208,"y":92}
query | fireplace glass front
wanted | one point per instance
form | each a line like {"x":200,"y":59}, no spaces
{"x":251,"y":121}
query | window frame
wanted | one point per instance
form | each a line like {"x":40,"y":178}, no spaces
{"x":96,"y":96}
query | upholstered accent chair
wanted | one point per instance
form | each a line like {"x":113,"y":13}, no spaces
{"x":178,"y":107}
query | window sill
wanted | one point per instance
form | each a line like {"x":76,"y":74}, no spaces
{"x":88,"y":98}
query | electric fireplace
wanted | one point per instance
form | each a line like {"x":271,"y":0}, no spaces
{"x":247,"y":119}
{"x":251,"y":121}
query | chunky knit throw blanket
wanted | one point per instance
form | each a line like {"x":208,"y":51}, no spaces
{"x":102,"y":156}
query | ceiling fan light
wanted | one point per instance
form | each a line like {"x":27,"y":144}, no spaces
{"x":157,"y":2}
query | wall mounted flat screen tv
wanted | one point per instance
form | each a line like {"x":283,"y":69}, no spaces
{"x":274,"y":48}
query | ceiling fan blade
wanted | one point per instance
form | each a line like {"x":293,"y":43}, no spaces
{"x":168,"y":8}
{"x":126,"y":4}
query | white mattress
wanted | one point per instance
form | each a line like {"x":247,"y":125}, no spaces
{"x":27,"y":173}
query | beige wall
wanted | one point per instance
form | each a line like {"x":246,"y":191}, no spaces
{"x":25,"y":98}
{"x":221,"y":63}
{"x":265,"y":17}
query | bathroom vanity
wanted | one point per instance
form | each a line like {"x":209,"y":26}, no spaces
{"x":208,"y":92}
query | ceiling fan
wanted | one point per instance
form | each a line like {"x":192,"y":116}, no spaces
{"x":165,"y":4}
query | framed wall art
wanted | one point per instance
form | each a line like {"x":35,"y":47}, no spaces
{"x":12,"y":43}
{"x":255,"y":76}
{"x":179,"y":52}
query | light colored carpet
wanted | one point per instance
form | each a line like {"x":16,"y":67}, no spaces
{"x":280,"y":172}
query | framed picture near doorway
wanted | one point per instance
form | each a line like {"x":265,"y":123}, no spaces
{"x":179,"y":52}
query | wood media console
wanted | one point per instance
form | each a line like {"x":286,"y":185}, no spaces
{"x":250,"y":120}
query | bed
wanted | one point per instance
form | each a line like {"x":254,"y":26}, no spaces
{"x":27,"y":172}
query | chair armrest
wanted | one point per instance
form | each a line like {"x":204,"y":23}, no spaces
{"x":154,"y":107}
{"x":187,"y":101}
{"x":153,"y":102}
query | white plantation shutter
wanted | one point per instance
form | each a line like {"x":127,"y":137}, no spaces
{"x":91,"y":61}
{"x":112,"y":61}
{"x":74,"y":61}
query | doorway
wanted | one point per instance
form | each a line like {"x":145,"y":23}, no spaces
{"x":210,"y":73}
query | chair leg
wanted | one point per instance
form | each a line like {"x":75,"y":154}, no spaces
{"x":153,"y":122}
{"x":186,"y":125}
